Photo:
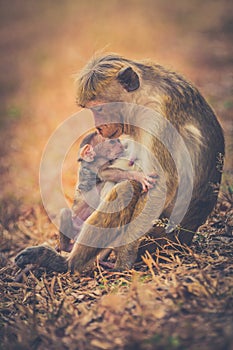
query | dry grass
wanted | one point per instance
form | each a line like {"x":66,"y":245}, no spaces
{"x":183,"y":302}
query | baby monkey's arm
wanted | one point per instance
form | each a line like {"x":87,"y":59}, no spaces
{"x":117,"y":175}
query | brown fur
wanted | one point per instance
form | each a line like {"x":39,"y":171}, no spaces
{"x":112,"y":78}
{"x":97,"y":175}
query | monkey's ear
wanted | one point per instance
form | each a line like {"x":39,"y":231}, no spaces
{"x":87,"y":153}
{"x":129,"y":79}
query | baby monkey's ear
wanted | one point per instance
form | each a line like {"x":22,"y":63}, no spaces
{"x":87,"y":154}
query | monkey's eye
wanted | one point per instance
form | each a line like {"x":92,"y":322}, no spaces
{"x":112,"y":142}
{"x":98,"y":108}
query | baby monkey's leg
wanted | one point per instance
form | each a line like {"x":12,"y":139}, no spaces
{"x":66,"y":231}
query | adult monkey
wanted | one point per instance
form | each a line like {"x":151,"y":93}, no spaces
{"x":111,"y":78}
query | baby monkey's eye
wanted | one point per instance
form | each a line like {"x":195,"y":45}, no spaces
{"x":112,"y":142}
{"x":98,"y":108}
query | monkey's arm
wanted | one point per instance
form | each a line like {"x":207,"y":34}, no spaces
{"x":87,"y":179}
{"x":118,"y":175}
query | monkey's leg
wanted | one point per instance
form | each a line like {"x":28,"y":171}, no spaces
{"x":81,"y":255}
{"x":71,"y":222}
{"x":43,"y":256}
{"x":145,"y":210}
{"x":126,"y":256}
{"x":66,"y":230}
{"x":128,"y":194}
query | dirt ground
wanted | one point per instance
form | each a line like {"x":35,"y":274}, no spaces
{"x":185,"y":302}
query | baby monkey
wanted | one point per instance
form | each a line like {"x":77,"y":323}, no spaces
{"x":103,"y":163}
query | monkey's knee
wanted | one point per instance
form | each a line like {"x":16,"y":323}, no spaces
{"x":128,"y":191}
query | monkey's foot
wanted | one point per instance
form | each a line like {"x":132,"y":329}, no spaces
{"x":42,"y":256}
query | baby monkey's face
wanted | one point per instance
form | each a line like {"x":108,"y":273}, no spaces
{"x":109,"y":149}
{"x":99,"y":147}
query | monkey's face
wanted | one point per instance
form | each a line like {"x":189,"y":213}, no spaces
{"x":106,"y":118}
{"x":110,"y":131}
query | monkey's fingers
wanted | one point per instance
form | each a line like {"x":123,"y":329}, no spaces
{"x":146,"y":185}
{"x":25,"y":257}
{"x":25,"y":271}
{"x":149,"y":184}
{"x":153,"y":175}
{"x":151,"y":180}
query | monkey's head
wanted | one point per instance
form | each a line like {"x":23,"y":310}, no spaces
{"x":95,"y":146}
{"x":107,"y":79}
{"x":109,"y":149}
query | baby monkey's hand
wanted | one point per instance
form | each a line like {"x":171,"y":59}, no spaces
{"x":147,"y":181}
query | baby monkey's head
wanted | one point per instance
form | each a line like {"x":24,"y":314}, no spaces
{"x":95,"y":146}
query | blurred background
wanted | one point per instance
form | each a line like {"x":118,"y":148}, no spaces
{"x":43,"y":43}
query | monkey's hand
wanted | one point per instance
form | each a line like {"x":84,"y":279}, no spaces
{"x":42,"y":256}
{"x":147,"y":181}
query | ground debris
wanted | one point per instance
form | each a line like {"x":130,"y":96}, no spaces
{"x":158,"y":305}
